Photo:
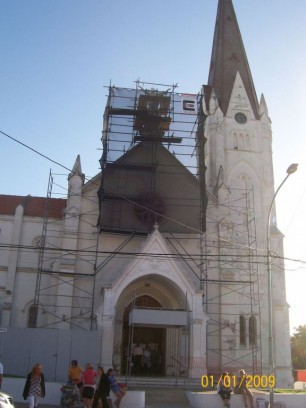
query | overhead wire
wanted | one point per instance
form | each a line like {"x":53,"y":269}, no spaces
{"x":196,"y":230}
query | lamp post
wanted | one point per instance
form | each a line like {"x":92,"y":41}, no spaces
{"x":291,"y":169}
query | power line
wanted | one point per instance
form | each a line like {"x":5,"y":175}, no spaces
{"x":196,"y":230}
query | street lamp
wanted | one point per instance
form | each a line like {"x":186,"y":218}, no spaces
{"x":291,"y":169}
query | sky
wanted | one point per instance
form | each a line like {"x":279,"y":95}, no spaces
{"x":58,"y":58}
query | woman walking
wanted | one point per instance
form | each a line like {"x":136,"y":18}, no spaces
{"x":34,"y":387}
{"x":89,"y":384}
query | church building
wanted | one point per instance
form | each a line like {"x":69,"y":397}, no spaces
{"x":157,"y":266}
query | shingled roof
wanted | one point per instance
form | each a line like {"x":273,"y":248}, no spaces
{"x":228,"y":57}
{"x":33,"y":206}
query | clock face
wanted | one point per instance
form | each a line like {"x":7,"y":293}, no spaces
{"x":241,"y":118}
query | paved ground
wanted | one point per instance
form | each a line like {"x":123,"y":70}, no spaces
{"x":155,"y":398}
{"x":166,"y":397}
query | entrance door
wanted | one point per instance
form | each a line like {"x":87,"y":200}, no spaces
{"x":148,"y":344}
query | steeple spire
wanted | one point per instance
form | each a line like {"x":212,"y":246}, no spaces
{"x":77,"y":169}
{"x":228,"y":57}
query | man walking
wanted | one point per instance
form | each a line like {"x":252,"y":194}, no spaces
{"x":103,"y":391}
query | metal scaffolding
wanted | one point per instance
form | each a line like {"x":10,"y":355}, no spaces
{"x":164,"y":131}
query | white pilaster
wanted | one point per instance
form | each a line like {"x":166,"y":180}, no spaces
{"x":198,"y":338}
{"x":12,"y":265}
{"x":107,"y":321}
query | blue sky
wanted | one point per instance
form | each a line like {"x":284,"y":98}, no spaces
{"x":57,"y":56}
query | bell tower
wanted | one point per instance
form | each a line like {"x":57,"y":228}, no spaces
{"x":239,"y":158}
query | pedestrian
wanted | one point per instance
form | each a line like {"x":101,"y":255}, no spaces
{"x":102,"y":391}
{"x":75,"y":373}
{"x":34,"y":387}
{"x":242,"y":388}
{"x":115,"y":387}
{"x":89,"y":384}
{"x":96,"y":398}
{"x":137,"y":358}
{"x":147,"y":358}
{"x":224,"y":390}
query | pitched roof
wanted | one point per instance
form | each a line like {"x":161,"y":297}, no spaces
{"x":33,"y":206}
{"x":228,"y":57}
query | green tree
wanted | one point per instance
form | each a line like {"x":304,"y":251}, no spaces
{"x":298,"y":348}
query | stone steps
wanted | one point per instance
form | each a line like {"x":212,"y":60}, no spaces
{"x":180,"y":382}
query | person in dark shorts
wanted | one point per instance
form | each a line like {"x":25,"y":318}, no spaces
{"x":89,"y":384}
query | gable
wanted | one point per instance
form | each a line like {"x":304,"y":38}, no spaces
{"x":147,"y":185}
{"x":162,"y":267}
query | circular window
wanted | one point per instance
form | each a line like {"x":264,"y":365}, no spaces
{"x":241,"y":118}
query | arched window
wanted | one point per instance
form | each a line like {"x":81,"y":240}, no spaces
{"x":242,"y":330}
{"x":32,"y":316}
{"x":241,"y":141}
{"x":247,"y":142}
{"x":252,"y":330}
{"x":235,"y":141}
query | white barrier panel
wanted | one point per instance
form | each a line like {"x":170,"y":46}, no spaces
{"x":14,"y":387}
{"x":213,"y":400}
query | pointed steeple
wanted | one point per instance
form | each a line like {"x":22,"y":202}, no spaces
{"x":228,"y":57}
{"x":77,"y":169}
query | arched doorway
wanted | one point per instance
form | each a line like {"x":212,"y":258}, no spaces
{"x":151,"y":340}
{"x":151,"y":291}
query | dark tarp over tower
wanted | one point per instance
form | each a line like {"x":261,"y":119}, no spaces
{"x":150,"y":163}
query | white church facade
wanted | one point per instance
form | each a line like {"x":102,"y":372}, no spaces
{"x":165,"y":248}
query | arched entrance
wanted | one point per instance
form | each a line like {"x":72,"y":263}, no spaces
{"x":152,"y":340}
{"x":169,"y":344}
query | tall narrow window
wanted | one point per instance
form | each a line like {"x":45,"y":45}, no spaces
{"x":252,"y":330}
{"x":242,"y":330}
{"x":32,"y":316}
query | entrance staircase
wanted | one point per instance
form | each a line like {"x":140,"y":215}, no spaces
{"x":170,"y":382}
{"x":163,"y":392}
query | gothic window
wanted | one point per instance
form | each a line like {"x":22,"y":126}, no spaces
{"x":32,"y":316}
{"x":242,"y":330}
{"x":252,"y":330}
{"x":235,"y":141}
{"x":241,"y":141}
{"x":247,"y":142}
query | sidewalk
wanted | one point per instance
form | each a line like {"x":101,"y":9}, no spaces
{"x":156,"y":397}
